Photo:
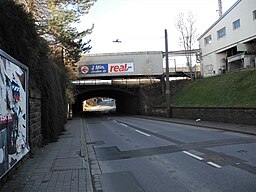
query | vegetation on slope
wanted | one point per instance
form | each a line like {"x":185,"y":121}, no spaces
{"x":236,"y":89}
{"x":19,"y":38}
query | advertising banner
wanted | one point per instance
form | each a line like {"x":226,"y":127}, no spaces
{"x":13,"y":112}
{"x":121,"y":67}
{"x":117,"y":68}
{"x":127,"y":64}
{"x":94,"y":69}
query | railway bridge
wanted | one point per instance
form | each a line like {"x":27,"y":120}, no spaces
{"x":124,"y":77}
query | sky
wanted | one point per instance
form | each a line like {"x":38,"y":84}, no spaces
{"x":140,"y":24}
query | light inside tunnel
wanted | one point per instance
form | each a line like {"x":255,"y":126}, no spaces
{"x":100,"y":104}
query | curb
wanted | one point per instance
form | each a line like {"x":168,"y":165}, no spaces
{"x":94,"y":172}
{"x":198,"y":124}
{"x":84,"y":154}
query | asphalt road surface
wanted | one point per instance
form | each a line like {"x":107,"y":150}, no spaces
{"x":146,"y":155}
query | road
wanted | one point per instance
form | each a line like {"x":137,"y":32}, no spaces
{"x":136,"y":154}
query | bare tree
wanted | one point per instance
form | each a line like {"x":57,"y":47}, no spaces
{"x":185,"y":24}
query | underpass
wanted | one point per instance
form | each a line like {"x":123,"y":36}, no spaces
{"x":126,"y":99}
{"x":122,"y":76}
{"x":119,"y":76}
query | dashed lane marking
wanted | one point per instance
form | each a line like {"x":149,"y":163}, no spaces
{"x":186,"y":152}
{"x":142,"y":133}
{"x":200,"y":159}
{"x":192,"y":155}
{"x":213,"y":164}
{"x":124,"y":124}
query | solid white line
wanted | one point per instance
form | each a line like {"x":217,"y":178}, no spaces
{"x":124,"y":124}
{"x":192,"y":155}
{"x":214,"y":164}
{"x":115,"y":121}
{"x":142,"y":133}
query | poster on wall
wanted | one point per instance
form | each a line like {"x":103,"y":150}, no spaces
{"x":13,"y":112}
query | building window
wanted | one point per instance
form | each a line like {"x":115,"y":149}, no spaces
{"x":221,"y":33}
{"x":208,"y":40}
{"x":236,"y":24}
{"x":254,"y":15}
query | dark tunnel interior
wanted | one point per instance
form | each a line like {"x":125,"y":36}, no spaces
{"x":126,"y":102}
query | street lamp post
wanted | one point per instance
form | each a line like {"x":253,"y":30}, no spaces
{"x":167,"y":81}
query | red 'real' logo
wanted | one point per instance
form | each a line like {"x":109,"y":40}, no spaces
{"x":84,"y":69}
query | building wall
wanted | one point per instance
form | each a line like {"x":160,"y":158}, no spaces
{"x":214,"y":53}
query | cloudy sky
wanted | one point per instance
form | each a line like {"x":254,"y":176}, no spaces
{"x":140,"y":24}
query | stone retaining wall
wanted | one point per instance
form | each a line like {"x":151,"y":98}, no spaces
{"x":35,"y":136}
{"x":244,"y":115}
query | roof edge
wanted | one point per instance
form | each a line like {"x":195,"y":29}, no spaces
{"x":224,"y":15}
{"x":123,"y":53}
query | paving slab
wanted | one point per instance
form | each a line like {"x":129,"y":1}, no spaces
{"x":57,"y":167}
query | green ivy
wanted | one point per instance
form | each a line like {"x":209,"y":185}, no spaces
{"x":19,"y":38}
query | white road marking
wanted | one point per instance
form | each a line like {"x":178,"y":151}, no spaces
{"x":142,"y":133}
{"x":192,"y":155}
{"x":214,"y":164}
{"x":124,"y":124}
{"x":115,"y":121}
{"x":200,"y":158}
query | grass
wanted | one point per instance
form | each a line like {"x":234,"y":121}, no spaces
{"x":236,"y":89}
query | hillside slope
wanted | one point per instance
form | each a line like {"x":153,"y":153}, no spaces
{"x":236,"y":89}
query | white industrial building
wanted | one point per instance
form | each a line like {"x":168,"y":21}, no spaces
{"x":230,"y":43}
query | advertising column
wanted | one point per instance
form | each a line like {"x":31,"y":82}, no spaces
{"x":13,"y":112}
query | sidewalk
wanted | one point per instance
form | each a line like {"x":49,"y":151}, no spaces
{"x":246,"y":129}
{"x":60,"y":166}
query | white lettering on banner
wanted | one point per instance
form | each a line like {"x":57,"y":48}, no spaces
{"x":120,"y":67}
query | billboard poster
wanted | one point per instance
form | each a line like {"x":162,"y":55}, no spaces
{"x":13,"y":112}
{"x":92,"y":69}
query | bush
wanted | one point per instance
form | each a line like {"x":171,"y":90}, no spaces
{"x":19,"y":38}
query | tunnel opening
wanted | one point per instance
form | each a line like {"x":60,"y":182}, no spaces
{"x":124,"y":100}
{"x":99,"y":105}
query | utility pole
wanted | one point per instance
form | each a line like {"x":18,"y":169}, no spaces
{"x":220,"y":8}
{"x":167,"y":75}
